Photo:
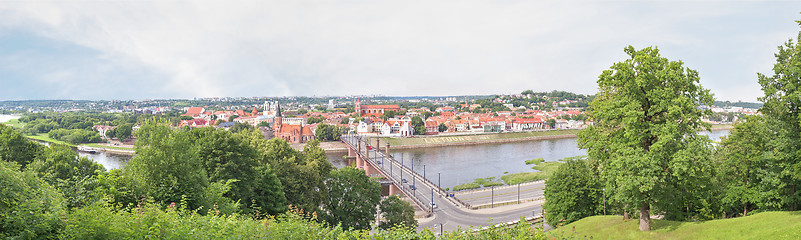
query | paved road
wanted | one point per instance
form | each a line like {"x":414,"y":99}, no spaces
{"x":501,"y":194}
{"x":451,"y":214}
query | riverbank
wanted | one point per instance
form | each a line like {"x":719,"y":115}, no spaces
{"x":462,"y":140}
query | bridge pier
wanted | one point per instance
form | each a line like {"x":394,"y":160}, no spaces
{"x":359,"y":162}
{"x":394,"y":190}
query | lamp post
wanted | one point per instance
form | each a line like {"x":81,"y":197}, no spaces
{"x":604,"y":201}
{"x":492,"y":203}
{"x":439,"y":181}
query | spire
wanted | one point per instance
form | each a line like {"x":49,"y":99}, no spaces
{"x":277,"y":109}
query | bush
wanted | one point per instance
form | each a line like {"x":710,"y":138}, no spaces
{"x":29,"y":208}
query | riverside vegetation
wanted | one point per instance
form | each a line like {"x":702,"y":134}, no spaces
{"x":646,"y":157}
{"x":199,"y":184}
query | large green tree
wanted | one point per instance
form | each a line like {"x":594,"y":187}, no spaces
{"x":397,"y":214}
{"x":647,"y":110}
{"x":743,"y":167}
{"x":351,"y":199}
{"x":783,"y":110}
{"x":574,"y":191}
{"x":61,"y":167}
{"x":29,"y":207}
{"x":228,"y":156}
{"x":14,"y":147}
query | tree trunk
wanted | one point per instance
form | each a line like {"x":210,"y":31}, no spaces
{"x":626,"y":212}
{"x":645,"y":217}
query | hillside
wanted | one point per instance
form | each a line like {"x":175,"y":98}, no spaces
{"x":767,"y":225}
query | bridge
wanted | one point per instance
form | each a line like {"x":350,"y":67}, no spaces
{"x":441,"y":209}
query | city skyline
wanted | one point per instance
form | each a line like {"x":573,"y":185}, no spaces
{"x":162,"y":50}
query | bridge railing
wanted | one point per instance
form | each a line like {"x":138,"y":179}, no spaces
{"x":420,"y":204}
{"x":431,"y":184}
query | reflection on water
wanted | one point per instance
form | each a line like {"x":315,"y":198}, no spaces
{"x":463,"y":164}
{"x":109,"y":161}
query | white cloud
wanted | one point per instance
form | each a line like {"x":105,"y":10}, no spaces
{"x":255,"y":48}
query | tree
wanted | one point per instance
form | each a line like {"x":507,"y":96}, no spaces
{"x":418,"y":125}
{"x":345,"y":120}
{"x":29,"y":208}
{"x":742,"y":165}
{"x":646,"y":112}
{"x":226,"y":156}
{"x":551,"y":122}
{"x":783,"y":110}
{"x":351,"y":199}
{"x":574,"y":191}
{"x":263,"y":124}
{"x":61,"y":167}
{"x":124,"y":131}
{"x":238,"y":127}
{"x":397,"y":214}
{"x":327,"y":132}
{"x":166,"y":169}
{"x":14,"y":147}
{"x":442,"y":127}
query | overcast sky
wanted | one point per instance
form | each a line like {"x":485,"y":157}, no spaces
{"x":184,"y":49}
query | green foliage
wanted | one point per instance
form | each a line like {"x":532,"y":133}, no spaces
{"x":29,"y":207}
{"x":75,"y":136}
{"x":351,"y":199}
{"x":782,"y":110}
{"x":573,"y":192}
{"x":418,"y":125}
{"x":227,"y":156}
{"x":241,"y":127}
{"x":466,"y":186}
{"x":61,"y":167}
{"x":551,"y":122}
{"x":442,"y":127}
{"x":313,"y":120}
{"x":327,"y":132}
{"x":14,"y":147}
{"x":535,"y":161}
{"x":165,"y":167}
{"x":646,"y":115}
{"x":123,"y":131}
{"x":397,"y":214}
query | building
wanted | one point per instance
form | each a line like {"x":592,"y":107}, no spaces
{"x":373,"y":110}
{"x":293,"y":133}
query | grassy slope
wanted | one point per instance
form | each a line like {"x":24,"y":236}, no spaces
{"x":15,"y":123}
{"x":471,"y":138}
{"x":545,"y":171}
{"x":767,"y":225}
{"x":45,"y":138}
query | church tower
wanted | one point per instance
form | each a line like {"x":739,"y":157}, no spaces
{"x":358,"y":108}
{"x":277,"y":121}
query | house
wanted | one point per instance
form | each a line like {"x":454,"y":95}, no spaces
{"x":195,"y":111}
{"x":102,"y":129}
{"x":197,"y":122}
{"x":398,"y":127}
{"x":527,"y":124}
{"x":374,"y":110}
{"x":432,"y":128}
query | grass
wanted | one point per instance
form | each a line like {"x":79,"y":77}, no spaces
{"x":472,"y":138}
{"x":534,"y":161}
{"x":15,"y":123}
{"x":478,"y":183}
{"x":97,"y":145}
{"x":43,"y":137}
{"x":545,"y":171}
{"x":766,"y":225}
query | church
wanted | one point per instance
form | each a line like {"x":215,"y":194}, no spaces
{"x":373,"y":110}
{"x":292,"y":133}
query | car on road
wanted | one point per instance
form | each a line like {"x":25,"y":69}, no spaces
{"x":412,"y":187}
{"x":404,"y":181}
{"x":433,"y":205}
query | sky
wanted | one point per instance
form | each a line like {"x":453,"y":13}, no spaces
{"x":120,"y":50}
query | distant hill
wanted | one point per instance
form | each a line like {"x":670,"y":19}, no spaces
{"x":738,"y":104}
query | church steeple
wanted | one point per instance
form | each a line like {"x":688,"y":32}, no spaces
{"x":277,"y":109}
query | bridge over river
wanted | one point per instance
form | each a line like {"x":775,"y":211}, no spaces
{"x":441,"y":209}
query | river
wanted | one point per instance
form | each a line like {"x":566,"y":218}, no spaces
{"x":463,"y":164}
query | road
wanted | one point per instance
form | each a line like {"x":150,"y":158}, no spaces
{"x":503,"y":194}
{"x":448,"y":213}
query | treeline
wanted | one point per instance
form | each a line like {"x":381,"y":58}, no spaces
{"x":182,"y":182}
{"x":752,"y":105}
{"x":646,"y":156}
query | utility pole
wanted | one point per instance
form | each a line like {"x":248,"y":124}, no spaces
{"x":518,"y":193}
{"x":439,"y":182}
{"x":424,"y":171}
{"x":492,"y":204}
